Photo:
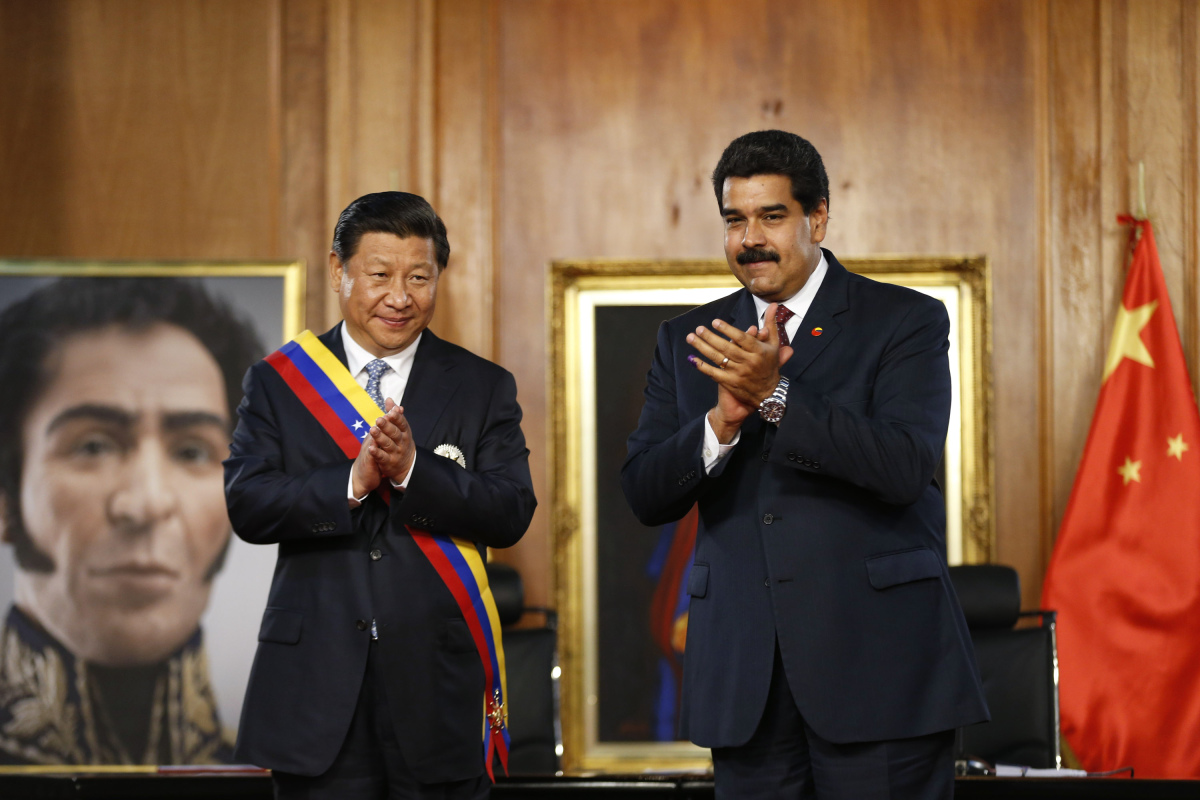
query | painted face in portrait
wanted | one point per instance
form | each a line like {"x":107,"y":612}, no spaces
{"x":122,"y":488}
{"x":771,"y":245}
{"x":387,"y":290}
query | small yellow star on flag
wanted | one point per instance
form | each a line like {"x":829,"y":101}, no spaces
{"x":1176,"y":446}
{"x":1130,"y":471}
{"x":1126,"y":339}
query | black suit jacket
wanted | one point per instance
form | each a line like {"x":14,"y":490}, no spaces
{"x":827,"y":532}
{"x":286,"y":482}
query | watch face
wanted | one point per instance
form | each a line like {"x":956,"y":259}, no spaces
{"x":772,"y":409}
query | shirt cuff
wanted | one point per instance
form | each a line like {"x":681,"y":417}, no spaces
{"x":402,"y":485}
{"x":354,"y":502}
{"x":713,"y":450}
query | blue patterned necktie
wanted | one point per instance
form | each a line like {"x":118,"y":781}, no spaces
{"x":375,"y":372}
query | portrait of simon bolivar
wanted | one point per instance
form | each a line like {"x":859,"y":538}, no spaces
{"x":117,"y":397}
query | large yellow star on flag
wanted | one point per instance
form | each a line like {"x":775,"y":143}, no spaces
{"x":1176,"y":446}
{"x":1130,"y":471}
{"x":1126,"y":339}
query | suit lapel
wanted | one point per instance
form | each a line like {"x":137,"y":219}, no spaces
{"x":430,"y":384}
{"x":831,"y":300}
{"x":741,"y":313}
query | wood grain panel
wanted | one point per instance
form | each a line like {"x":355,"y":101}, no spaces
{"x":465,"y":133}
{"x":1076,"y":331}
{"x":1039,"y":38}
{"x":139,"y":129}
{"x":613,"y":115}
{"x":306,"y":230}
{"x":1114,"y":170}
{"x":32,"y":133}
{"x":1156,"y":114}
{"x":1190,"y":34}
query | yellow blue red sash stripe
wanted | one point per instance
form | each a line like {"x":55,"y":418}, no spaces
{"x":327,"y":389}
{"x":346,"y":411}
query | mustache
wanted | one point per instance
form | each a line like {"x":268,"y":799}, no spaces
{"x":756,"y":254}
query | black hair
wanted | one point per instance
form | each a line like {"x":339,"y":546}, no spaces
{"x":399,"y":213}
{"x":33,"y":327}
{"x":776,"y":153}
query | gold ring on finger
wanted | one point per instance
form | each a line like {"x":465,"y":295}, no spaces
{"x":726,"y":361}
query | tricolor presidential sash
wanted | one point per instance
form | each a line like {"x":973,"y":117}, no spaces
{"x":345,"y":411}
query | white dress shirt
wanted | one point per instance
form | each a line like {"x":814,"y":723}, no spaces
{"x":799,"y":304}
{"x":391,"y":384}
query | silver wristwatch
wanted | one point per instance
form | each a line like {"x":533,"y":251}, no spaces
{"x":772,"y":408}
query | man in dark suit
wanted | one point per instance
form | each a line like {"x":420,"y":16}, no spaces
{"x":370,"y":677}
{"x":826,"y":652}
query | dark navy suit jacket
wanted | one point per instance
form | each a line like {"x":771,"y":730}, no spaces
{"x":286,"y":482}
{"x":826,"y":533}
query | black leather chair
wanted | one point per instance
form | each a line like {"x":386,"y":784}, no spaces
{"x":1019,"y":667}
{"x":531,"y":659}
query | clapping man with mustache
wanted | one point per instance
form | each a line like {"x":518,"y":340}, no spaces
{"x":806,"y":414}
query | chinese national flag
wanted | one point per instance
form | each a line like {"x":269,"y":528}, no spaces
{"x":1125,"y":575}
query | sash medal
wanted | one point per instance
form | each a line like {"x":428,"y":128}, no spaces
{"x":343,"y":408}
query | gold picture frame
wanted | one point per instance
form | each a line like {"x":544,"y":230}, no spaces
{"x":290,"y":276}
{"x":604,"y":314}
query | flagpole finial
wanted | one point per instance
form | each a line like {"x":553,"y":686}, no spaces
{"x":1141,"y":191}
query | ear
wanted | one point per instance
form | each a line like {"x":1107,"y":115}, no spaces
{"x":336,"y":272}
{"x":818,"y":221}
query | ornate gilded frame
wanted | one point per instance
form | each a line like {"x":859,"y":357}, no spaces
{"x":576,"y":289}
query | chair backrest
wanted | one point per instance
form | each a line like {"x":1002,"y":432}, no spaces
{"x":990,"y":595}
{"x":531,"y":655}
{"x":533,"y":724}
{"x":1018,"y":668}
{"x":508,"y":590}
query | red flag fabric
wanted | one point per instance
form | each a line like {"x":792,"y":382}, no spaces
{"x":1125,"y":573}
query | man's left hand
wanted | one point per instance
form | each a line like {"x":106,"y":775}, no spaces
{"x":751,"y":372}
{"x":391,"y":443}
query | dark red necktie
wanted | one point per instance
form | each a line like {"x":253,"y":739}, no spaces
{"x":782,"y":315}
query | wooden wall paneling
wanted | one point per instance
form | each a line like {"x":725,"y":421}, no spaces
{"x":613,"y":115}
{"x":465,"y":122}
{"x":1076,"y":337}
{"x":276,"y":143}
{"x":306,"y":230}
{"x":1114,"y":169}
{"x":1157,"y":121}
{"x":33,"y":136}
{"x":1190,"y":33}
{"x":379,"y":104}
{"x":156,"y":128}
{"x":1043,"y":117}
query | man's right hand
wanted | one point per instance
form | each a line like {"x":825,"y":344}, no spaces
{"x":365,"y":475}
{"x":727,"y":416}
